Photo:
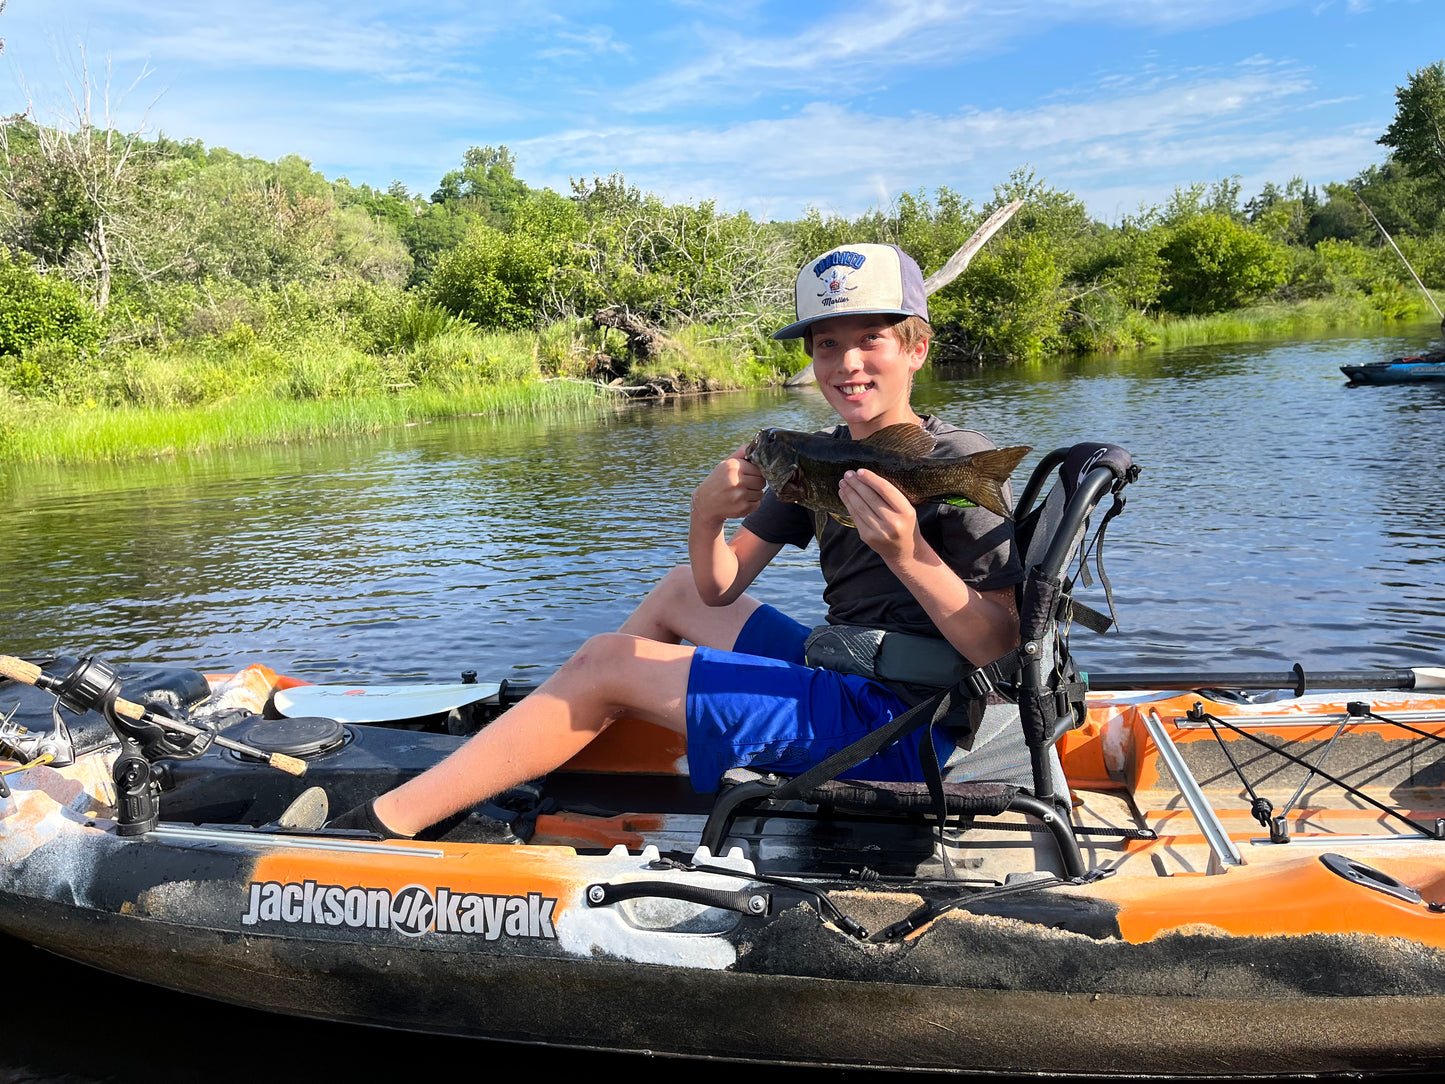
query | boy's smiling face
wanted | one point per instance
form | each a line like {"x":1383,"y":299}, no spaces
{"x":864,"y":372}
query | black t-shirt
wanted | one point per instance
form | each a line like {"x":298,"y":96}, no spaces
{"x":860,"y":588}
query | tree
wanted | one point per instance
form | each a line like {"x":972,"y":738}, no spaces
{"x":1214,"y":264}
{"x":487,"y":183}
{"x":76,"y":195}
{"x":1417,"y":134}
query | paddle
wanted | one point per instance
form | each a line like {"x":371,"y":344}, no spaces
{"x":1419,"y":677}
{"x":30,"y":674}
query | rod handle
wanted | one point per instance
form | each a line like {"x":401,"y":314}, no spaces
{"x":290,"y":765}
{"x":19,"y":670}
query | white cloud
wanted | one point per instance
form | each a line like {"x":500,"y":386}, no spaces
{"x":1142,"y":142}
{"x":898,"y":34}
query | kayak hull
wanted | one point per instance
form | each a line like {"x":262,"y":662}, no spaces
{"x":1180,"y":963}
{"x":1399,"y":371}
{"x":616,"y":1005}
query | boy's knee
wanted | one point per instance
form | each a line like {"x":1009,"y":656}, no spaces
{"x":602,"y":651}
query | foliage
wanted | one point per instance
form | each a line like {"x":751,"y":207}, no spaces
{"x":1012,"y":302}
{"x":1216,"y":264}
{"x":1417,"y":134}
{"x":497,"y":279}
{"x":674,"y":263}
{"x":165,"y":275}
{"x":36,"y":309}
{"x":486,"y":184}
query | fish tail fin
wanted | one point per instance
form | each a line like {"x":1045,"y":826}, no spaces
{"x":994,"y":467}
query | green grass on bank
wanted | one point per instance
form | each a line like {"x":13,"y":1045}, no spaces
{"x":38,"y":432}
{"x":1285,"y":319}
{"x":236,"y":389}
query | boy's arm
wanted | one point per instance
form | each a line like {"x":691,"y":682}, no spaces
{"x":723,"y":569}
{"x":982,"y":625}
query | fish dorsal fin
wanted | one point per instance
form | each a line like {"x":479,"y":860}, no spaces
{"x":905,"y":438}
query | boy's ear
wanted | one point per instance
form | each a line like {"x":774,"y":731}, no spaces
{"x":918,"y":355}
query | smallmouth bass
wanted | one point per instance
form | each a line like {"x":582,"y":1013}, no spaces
{"x":805,"y":468}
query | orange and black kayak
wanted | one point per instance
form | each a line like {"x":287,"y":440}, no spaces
{"x":1264,"y":888}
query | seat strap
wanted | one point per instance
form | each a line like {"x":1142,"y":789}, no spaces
{"x":933,"y":776}
{"x":926,"y":713}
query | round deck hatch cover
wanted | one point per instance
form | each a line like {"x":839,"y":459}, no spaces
{"x":303,"y":737}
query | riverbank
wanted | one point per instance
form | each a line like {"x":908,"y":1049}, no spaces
{"x":238,"y":391}
{"x":1287,"y":319}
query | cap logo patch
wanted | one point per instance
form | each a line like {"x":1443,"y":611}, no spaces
{"x":833,"y":271}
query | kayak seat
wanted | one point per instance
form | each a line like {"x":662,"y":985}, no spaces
{"x":1011,"y":711}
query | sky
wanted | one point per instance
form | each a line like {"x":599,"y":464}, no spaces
{"x":769,"y":107}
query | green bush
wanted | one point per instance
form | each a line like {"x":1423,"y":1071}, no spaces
{"x":1009,"y":302}
{"x":37,"y":308}
{"x":494,"y":279}
{"x":1214,"y":263}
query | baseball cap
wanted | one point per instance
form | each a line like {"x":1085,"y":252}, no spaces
{"x":854,"y":279}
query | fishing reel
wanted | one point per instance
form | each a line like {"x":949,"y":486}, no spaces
{"x":92,"y":685}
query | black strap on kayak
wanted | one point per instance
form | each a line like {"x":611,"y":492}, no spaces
{"x":928,"y":713}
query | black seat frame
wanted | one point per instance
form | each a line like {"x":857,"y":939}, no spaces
{"x":967,"y":800}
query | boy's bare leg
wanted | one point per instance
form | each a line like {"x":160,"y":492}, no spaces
{"x":611,"y":676}
{"x":673,"y":612}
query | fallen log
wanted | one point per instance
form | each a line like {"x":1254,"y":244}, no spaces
{"x":643,"y":340}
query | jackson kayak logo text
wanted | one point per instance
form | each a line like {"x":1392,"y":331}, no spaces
{"x":412,"y":910}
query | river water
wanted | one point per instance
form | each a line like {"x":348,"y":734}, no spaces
{"x":1281,"y":516}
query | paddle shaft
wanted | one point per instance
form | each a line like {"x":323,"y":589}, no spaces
{"x":29,"y":674}
{"x":1298,"y":679}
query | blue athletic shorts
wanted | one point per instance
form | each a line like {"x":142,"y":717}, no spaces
{"x":758,"y":707}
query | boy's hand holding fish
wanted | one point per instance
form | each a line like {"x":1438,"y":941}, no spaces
{"x":732,"y":490}
{"x":886,"y":521}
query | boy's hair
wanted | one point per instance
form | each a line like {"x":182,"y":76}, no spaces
{"x":908,"y":330}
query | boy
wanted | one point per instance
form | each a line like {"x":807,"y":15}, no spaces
{"x":742,"y":696}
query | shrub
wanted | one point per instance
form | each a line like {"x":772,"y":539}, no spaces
{"x":494,"y":279}
{"x":37,"y":308}
{"x":1214,"y":263}
{"x":1009,"y":302}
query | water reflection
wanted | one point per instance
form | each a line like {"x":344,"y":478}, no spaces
{"x":1281,"y":516}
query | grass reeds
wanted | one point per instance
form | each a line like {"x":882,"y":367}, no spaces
{"x":39,"y":432}
{"x":236,"y":390}
{"x":1276,"y":320}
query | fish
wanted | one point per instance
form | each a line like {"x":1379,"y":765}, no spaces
{"x":805,"y":468}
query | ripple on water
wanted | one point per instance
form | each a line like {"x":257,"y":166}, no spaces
{"x":1281,"y":516}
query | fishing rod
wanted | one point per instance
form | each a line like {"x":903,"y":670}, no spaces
{"x":1296,"y":679}
{"x":1428,"y":296}
{"x":86,"y":687}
